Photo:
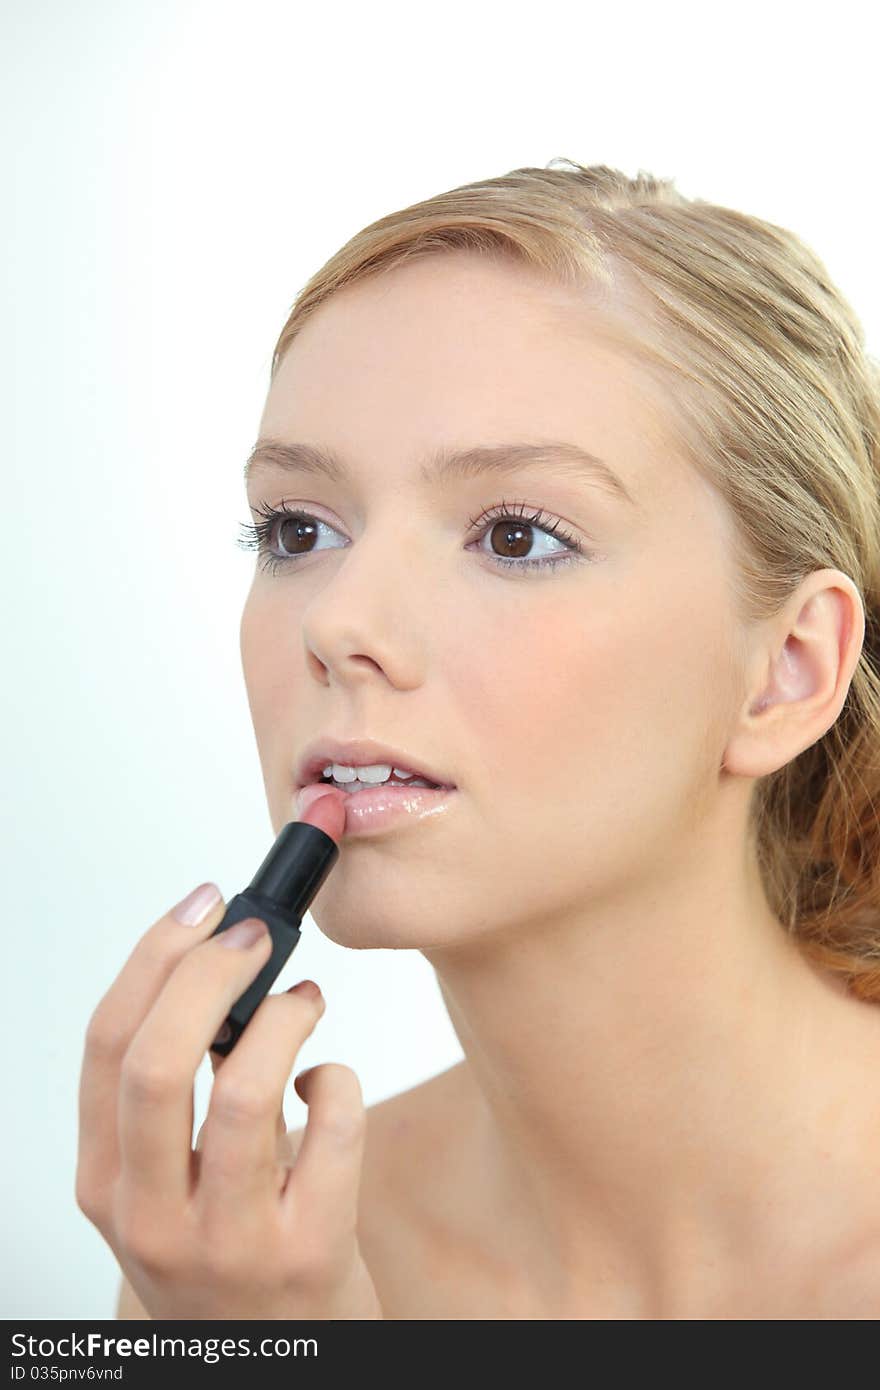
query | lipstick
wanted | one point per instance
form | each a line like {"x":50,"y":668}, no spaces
{"x":280,"y":894}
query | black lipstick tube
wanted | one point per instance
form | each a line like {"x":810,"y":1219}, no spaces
{"x":280,"y":895}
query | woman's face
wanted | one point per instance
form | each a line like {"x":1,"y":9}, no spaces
{"x":580,"y":708}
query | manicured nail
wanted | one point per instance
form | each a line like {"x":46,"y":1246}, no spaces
{"x":308,"y":988}
{"x":244,"y":934}
{"x":195,"y":907}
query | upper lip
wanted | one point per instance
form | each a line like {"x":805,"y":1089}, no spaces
{"x":360,"y":753}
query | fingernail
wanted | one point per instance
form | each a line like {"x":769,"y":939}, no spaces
{"x":243,"y":934}
{"x":196,"y":905}
{"x":308,"y":988}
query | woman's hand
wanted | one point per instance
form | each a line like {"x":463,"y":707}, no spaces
{"x":228,"y":1230}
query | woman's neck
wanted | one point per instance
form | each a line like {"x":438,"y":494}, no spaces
{"x":661,"y":1086}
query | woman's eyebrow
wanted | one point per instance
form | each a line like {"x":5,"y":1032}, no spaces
{"x":444,"y":464}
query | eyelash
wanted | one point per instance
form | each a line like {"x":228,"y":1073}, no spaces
{"x":258,"y":535}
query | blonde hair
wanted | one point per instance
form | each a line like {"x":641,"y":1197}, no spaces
{"x":775,"y":402}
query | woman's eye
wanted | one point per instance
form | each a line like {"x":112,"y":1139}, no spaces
{"x":284,"y":537}
{"x":301,"y":534}
{"x":511,"y":542}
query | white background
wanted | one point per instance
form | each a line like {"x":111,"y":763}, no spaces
{"x":173,"y":173}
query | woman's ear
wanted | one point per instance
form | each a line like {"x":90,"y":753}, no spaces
{"x":803,"y":661}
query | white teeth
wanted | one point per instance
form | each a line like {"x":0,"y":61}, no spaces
{"x":352,"y":788}
{"x":372,"y":774}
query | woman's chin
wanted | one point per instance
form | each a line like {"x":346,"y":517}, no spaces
{"x":366,"y":931}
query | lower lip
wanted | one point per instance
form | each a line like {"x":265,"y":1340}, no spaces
{"x":383,"y":808}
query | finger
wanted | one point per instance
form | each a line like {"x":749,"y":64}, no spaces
{"x":241,"y":1168}
{"x":158,"y":1070}
{"x":114,"y":1022}
{"x":321,"y":1197}
{"x":217,"y":1060}
{"x":285,"y":1154}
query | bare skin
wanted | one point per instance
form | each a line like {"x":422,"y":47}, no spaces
{"x":663,"y":1110}
{"x":438,"y":1247}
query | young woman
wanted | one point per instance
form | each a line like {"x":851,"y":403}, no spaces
{"x":566,"y":494}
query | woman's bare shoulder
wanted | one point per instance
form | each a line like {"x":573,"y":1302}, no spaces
{"x":419,"y":1113}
